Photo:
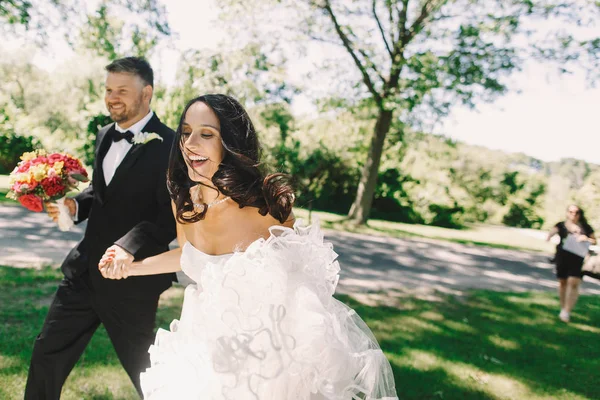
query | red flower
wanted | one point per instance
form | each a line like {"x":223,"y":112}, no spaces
{"x":73,"y":165}
{"x":53,"y":186}
{"x":31,"y":202}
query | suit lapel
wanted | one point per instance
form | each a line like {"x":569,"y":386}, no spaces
{"x":98,"y":180}
{"x":131,"y":157}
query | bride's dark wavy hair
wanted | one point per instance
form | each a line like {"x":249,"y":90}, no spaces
{"x":240,"y":175}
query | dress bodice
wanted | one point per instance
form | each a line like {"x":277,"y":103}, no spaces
{"x":194,"y":261}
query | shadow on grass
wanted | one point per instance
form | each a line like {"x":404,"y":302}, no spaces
{"x":406,"y":234}
{"x":489,"y":345}
{"x":370,"y":229}
{"x":25,"y":295}
{"x":486,"y":345}
{"x":342,"y":223}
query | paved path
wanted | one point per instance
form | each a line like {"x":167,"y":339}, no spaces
{"x":369,"y":264}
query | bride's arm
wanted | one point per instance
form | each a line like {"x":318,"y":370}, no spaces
{"x":165,"y":262}
{"x":160,"y":264}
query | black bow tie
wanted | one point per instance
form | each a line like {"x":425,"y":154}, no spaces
{"x":117,"y":136}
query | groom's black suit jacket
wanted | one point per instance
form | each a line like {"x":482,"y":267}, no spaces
{"x":133,"y":211}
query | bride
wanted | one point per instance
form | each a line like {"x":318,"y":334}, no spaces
{"x":261,"y":322}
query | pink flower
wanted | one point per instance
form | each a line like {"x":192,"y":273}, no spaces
{"x":23,"y":166}
{"x":55,"y":157}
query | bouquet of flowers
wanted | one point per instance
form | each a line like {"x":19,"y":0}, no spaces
{"x":41,"y":177}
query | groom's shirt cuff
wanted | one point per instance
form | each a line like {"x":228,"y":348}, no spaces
{"x":74,"y":217}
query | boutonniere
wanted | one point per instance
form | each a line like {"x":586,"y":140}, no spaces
{"x":145,"y":137}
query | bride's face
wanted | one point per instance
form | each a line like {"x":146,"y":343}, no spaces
{"x":201,"y":142}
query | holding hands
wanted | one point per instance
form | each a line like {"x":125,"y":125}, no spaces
{"x":115,"y":263}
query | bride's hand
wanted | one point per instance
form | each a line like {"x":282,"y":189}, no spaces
{"x":113,"y":265}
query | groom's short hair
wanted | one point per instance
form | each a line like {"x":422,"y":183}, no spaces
{"x":133,"y":65}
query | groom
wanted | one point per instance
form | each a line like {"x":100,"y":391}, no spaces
{"x":128,"y":209}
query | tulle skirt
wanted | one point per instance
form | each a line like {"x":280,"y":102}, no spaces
{"x":263,"y":325}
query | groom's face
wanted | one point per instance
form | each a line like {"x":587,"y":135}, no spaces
{"x":126,"y":98}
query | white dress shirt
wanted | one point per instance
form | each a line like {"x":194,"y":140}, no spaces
{"x":117,"y":152}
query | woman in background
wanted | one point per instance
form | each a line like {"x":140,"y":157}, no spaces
{"x":568,"y":264}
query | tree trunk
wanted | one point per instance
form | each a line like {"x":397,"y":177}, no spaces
{"x":359,"y":212}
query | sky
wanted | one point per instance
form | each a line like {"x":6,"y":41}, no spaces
{"x":546,"y":116}
{"x":549,"y":118}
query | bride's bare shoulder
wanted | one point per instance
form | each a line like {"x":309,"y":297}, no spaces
{"x":258,"y":226}
{"x":269,"y":221}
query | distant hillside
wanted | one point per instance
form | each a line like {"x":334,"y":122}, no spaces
{"x":488,"y":184}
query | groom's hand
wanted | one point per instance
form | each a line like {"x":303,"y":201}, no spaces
{"x":115,"y":263}
{"x":53,"y":211}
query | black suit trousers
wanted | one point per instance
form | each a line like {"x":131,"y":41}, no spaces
{"x":75,"y":314}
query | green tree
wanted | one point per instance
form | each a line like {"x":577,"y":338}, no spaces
{"x":114,"y":28}
{"x":107,"y":33}
{"x":11,"y":149}
{"x":588,"y":198}
{"x":510,"y":184}
{"x":102,"y":29}
{"x":89,"y":146}
{"x":53,"y":108}
{"x":248,"y":74}
{"x":415,"y":59}
{"x":15,"y":11}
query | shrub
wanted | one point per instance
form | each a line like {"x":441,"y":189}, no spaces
{"x":11,"y":149}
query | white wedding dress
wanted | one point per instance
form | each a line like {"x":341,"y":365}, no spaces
{"x":262,"y":324}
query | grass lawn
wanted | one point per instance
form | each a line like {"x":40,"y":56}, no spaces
{"x":486,"y":345}
{"x":482,"y":235}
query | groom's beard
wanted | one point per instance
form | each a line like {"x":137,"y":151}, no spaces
{"x":127,"y":113}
